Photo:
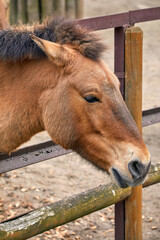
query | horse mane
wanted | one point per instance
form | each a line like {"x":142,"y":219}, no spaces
{"x":16,"y":44}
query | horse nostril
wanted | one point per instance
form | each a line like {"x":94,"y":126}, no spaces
{"x":136,"y":168}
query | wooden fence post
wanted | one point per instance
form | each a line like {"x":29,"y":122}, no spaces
{"x":133,"y":99}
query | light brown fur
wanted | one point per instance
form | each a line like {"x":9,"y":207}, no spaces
{"x":42,"y":94}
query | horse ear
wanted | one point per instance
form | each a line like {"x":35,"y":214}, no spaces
{"x":55,"y":51}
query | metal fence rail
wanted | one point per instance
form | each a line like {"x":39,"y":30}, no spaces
{"x":121,"y":19}
{"x":150,"y":116}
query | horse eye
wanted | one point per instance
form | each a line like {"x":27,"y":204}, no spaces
{"x":91,"y":99}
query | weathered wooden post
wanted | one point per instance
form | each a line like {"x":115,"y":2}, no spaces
{"x":133,"y":99}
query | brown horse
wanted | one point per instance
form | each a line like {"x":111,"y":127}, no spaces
{"x":3,"y":15}
{"x":61,"y":85}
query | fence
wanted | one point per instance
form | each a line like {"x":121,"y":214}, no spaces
{"x":128,"y":220}
{"x":30,"y":11}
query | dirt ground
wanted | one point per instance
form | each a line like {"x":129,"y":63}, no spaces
{"x":43,"y":183}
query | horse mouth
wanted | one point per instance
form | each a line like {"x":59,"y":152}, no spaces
{"x":120,"y":181}
{"x":124,"y":183}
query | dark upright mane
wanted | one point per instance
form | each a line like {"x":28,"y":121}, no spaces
{"x":16,"y":44}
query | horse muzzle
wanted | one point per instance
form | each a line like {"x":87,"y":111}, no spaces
{"x":137,"y":174}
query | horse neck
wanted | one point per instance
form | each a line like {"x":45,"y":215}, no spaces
{"x":21,"y":85}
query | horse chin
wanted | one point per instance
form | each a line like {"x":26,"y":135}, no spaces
{"x":118,"y":178}
{"x":123,"y":181}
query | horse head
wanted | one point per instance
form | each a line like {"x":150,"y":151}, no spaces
{"x":85,"y":112}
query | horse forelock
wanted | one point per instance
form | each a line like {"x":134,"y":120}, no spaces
{"x":16,"y":44}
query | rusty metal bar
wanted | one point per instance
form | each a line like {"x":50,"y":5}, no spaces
{"x":144,"y":15}
{"x":30,"y":155}
{"x":119,"y":69}
{"x":104,"y":22}
{"x":118,"y":20}
{"x":150,"y":116}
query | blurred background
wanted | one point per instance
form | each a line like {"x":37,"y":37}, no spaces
{"x":29,"y":11}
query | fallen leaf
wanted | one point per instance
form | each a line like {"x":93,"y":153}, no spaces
{"x":93,"y":227}
{"x":109,"y":230}
{"x":103,"y":217}
{"x":24,"y":189}
{"x":149,"y":219}
{"x":36,"y":197}
{"x":154,"y":227}
{"x":109,"y":209}
{"x":77,"y":238}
